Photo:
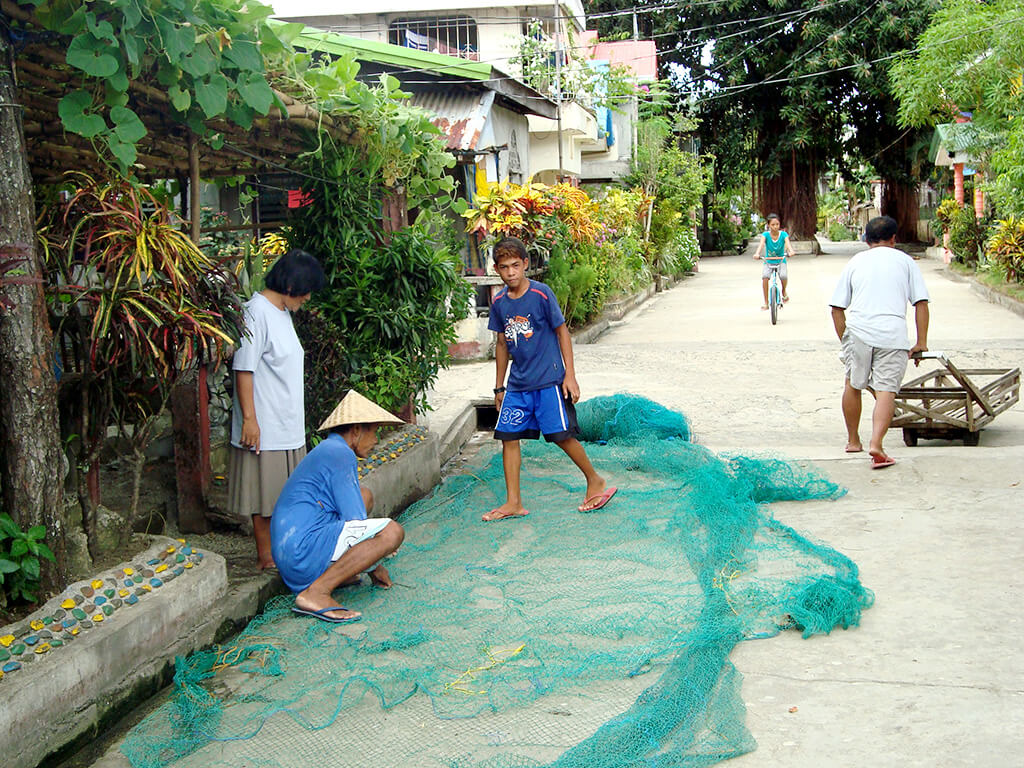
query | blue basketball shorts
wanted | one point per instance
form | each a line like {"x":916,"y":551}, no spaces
{"x":528,"y":415}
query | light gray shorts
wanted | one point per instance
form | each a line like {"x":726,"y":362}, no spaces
{"x":872,"y":368}
{"x":783,"y":272}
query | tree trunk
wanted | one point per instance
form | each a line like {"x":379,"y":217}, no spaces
{"x":900,"y":200}
{"x":31,"y":462}
{"x":793,"y":196}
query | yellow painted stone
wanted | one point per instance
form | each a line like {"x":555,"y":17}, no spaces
{"x":161,"y":568}
{"x":180,"y":541}
{"x":123,"y":592}
{"x":97,"y":584}
{"x":129,"y":571}
{"x":36,"y":624}
{"x":6,"y":640}
{"x":68,"y":604}
{"x":1,"y":674}
{"x":75,"y":630}
{"x":171,"y":550}
{"x":147,"y":587}
{"x":97,"y":617}
{"x":42,"y":648}
{"x":189,"y":564}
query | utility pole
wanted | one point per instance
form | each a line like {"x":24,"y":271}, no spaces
{"x":558,"y":85}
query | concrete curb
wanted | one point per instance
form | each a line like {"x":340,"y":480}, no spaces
{"x":996,"y":297}
{"x":63,"y":697}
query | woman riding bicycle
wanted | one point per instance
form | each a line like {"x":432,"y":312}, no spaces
{"x":776,"y":242}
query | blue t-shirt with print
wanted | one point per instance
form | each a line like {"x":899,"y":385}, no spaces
{"x":529,"y":324}
{"x":320,"y":496}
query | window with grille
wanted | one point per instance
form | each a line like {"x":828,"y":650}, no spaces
{"x":452,"y":35}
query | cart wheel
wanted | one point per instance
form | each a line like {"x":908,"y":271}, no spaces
{"x":972,"y":438}
{"x":910,"y":437}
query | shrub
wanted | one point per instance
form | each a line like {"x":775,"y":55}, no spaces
{"x":1005,"y":247}
{"x":682,"y":253}
{"x":837,"y":231}
{"x":964,"y":235}
{"x":19,"y":560}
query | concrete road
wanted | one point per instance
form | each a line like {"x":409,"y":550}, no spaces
{"x":934,"y":676}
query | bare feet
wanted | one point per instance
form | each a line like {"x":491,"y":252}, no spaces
{"x":380,"y":577}
{"x":764,"y":306}
{"x":311,"y":601}
{"x":854,"y":446}
{"x":785,"y":297}
{"x":505,"y":510}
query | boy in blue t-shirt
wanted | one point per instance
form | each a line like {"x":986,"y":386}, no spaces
{"x":542,"y":388}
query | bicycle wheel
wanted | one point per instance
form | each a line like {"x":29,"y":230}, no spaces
{"x":773,"y":301}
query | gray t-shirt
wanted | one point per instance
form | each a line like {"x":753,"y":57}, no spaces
{"x":875,"y":288}
{"x":272,"y":352}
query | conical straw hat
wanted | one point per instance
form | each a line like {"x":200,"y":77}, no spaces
{"x":356,"y":409}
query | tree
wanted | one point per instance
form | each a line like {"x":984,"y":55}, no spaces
{"x":30,"y":473}
{"x":787,"y":80}
{"x":969,"y":60}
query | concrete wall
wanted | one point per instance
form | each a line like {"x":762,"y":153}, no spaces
{"x":65,"y":693}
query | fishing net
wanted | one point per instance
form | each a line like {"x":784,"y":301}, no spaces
{"x":577,"y":640}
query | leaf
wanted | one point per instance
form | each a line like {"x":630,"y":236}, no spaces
{"x":177,"y":41}
{"x":94,"y":57}
{"x":19,"y":547}
{"x":46,"y":552}
{"x":253,"y":88}
{"x":8,"y":527}
{"x":36,"y":532}
{"x":124,"y":153}
{"x":245,"y":55}
{"x":127,"y":125}
{"x":72,"y":110}
{"x":212,"y":94}
{"x":181,"y":99}
{"x":8,"y":566}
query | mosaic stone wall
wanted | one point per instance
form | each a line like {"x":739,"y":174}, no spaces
{"x":86,"y":606}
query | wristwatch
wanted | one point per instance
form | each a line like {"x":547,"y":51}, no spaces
{"x":499,"y":390}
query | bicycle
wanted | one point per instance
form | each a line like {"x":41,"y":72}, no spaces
{"x":774,"y":292}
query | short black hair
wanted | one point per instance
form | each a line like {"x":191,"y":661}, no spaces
{"x":771,"y":216}
{"x":880,"y":229}
{"x":296,"y":274}
{"x":510,"y":246}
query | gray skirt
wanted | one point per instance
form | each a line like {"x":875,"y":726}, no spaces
{"x":255,"y":481}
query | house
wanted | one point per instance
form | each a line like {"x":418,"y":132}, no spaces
{"x":578,"y":142}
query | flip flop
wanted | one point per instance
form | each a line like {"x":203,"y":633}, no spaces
{"x":322,"y":615}
{"x":854,"y":450}
{"x":598,"y":501}
{"x":880,"y":462}
{"x":487,"y":519}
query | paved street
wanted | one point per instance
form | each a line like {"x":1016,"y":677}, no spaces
{"x":934,"y":674}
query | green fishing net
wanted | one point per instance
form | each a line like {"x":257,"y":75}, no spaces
{"x":577,"y":640}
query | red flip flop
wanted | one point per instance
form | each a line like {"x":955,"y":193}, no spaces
{"x":597,"y":501}
{"x":882,"y":461}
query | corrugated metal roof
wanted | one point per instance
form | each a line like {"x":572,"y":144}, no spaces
{"x":395,"y":55}
{"x":951,"y":141}
{"x":461,"y":116}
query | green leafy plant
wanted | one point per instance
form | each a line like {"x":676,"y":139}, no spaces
{"x":1005,"y":247}
{"x":19,"y":560}
{"x":206,"y":55}
{"x":135,"y":306}
{"x":965,"y":235}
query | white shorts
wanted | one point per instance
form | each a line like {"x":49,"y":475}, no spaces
{"x":356,"y":531}
{"x":873,"y":368}
{"x":766,"y":271}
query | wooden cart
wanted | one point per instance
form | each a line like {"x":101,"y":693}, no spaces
{"x":953,"y":403}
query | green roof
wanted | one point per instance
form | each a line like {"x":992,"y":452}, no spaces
{"x":313,"y":39}
{"x":952,"y":137}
